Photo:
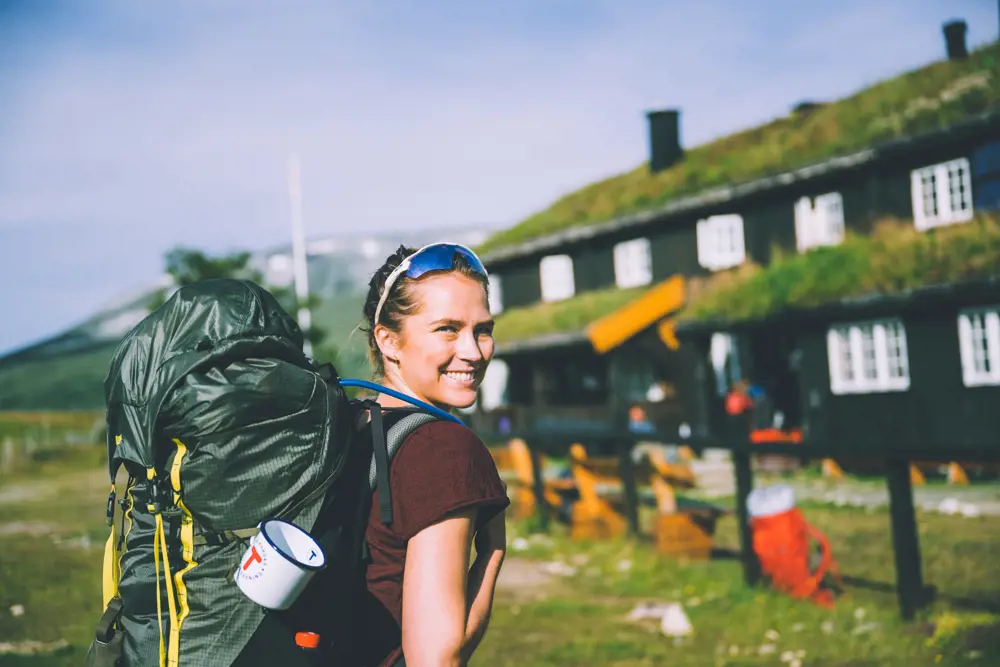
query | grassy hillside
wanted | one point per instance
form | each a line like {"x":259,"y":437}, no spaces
{"x":73,"y":381}
{"x":925,"y":99}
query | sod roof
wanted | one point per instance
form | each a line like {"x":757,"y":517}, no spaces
{"x":932,"y":97}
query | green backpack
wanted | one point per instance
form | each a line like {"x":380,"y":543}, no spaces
{"x":221,"y":421}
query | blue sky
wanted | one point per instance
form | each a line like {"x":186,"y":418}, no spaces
{"x":127,"y":130}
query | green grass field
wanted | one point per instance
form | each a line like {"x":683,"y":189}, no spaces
{"x":583,"y":621}
{"x":54,"y":424}
{"x":52,"y":533}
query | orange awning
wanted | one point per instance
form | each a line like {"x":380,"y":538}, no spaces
{"x":614,"y":329}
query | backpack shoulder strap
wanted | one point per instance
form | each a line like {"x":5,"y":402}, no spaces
{"x":385,"y":445}
{"x":395,"y":436}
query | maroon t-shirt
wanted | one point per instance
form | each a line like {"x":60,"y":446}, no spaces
{"x":440,"y":468}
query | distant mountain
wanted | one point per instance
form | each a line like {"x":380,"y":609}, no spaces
{"x":66,"y":371}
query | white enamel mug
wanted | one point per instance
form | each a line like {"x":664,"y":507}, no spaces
{"x":278,"y":563}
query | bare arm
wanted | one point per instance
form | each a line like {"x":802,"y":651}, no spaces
{"x":446,"y":605}
{"x":434,"y":582}
{"x":491,"y":547}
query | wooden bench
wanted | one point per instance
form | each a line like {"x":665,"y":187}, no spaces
{"x":682,"y":528}
{"x":514,"y":462}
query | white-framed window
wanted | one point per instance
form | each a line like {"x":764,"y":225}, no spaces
{"x":979,"y":344}
{"x":493,"y":390}
{"x":496,"y":294}
{"x":556,"y":272}
{"x":868,"y":357}
{"x":820,"y":223}
{"x":942,"y":194}
{"x":720,"y":242}
{"x":633,"y":263}
{"x":725,"y":359}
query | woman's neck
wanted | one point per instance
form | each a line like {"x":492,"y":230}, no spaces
{"x":388,"y":401}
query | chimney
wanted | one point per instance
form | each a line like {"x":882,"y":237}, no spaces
{"x":664,"y":139}
{"x":954,"y":39}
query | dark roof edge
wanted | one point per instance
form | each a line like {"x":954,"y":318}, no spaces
{"x":960,"y":293}
{"x":543,"y":342}
{"x":730,"y":193}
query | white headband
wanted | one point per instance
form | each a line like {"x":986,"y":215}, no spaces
{"x":403,"y":266}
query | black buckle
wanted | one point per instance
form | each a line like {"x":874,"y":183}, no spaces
{"x":161,"y":500}
{"x":105,"y":627}
{"x":110,"y":512}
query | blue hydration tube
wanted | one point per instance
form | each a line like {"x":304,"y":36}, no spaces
{"x":436,"y":411}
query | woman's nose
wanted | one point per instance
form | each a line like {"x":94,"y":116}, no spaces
{"x":468,"y":347}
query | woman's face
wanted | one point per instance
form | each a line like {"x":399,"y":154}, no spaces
{"x":445,"y":345}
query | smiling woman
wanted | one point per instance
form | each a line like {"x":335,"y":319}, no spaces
{"x":430,"y":336}
{"x":431,"y":322}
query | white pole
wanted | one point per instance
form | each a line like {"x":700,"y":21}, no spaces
{"x":299,"y":249}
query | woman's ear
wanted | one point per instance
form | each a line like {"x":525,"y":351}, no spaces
{"x":388,"y":343}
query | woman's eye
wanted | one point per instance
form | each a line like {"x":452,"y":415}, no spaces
{"x":448,"y":329}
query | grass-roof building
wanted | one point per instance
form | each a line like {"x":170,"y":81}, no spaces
{"x":588,"y":292}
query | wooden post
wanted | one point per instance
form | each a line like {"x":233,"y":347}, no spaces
{"x":905,"y":541}
{"x":631,"y":495}
{"x":744,"y":485}
{"x":541,"y":507}
{"x":620,"y":420}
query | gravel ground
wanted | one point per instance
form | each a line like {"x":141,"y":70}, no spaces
{"x":715,"y":478}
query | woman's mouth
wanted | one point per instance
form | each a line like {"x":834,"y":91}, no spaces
{"x":464,"y":379}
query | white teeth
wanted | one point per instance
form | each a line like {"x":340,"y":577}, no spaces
{"x":460,"y":377}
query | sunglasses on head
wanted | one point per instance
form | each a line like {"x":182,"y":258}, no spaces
{"x":433,"y":257}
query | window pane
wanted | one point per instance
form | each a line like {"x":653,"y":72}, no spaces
{"x":980,"y":344}
{"x":992,"y":322}
{"x":495,"y":294}
{"x":958,"y":196}
{"x":869,"y":366}
{"x":633,"y":265}
{"x":896,"y":350}
{"x":834,"y":219}
{"x":846,"y":357}
{"x":556,"y":277}
{"x":929,"y":192}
